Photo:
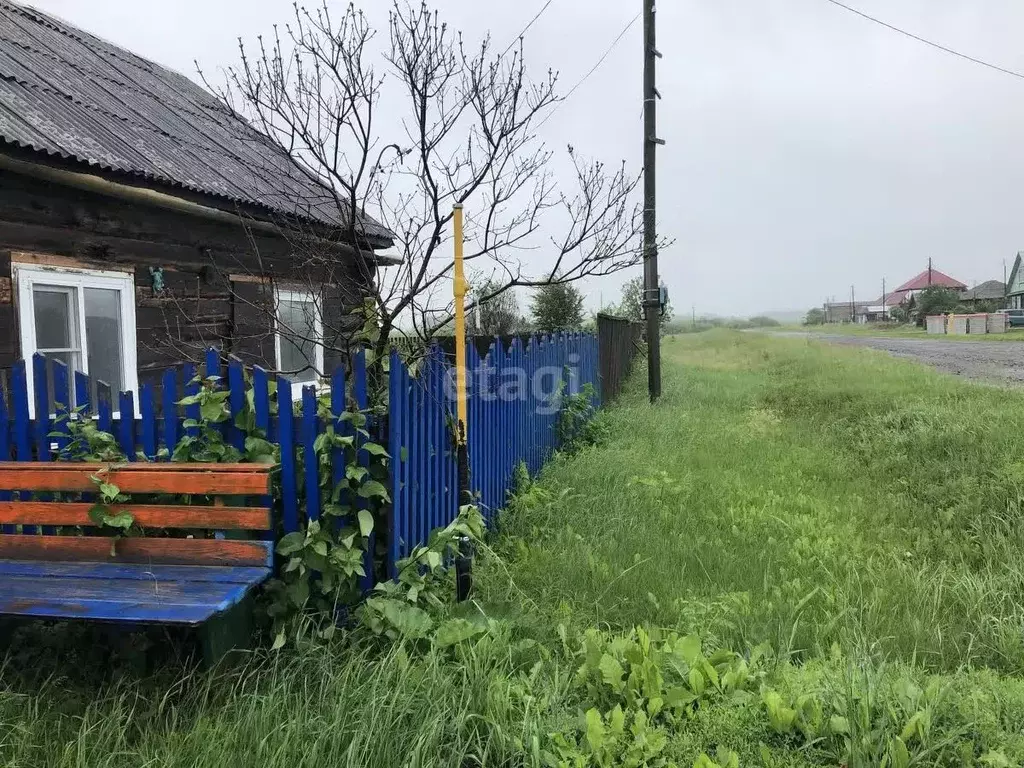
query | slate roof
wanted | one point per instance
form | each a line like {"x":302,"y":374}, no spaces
{"x":70,"y":95}
{"x":990,"y":289}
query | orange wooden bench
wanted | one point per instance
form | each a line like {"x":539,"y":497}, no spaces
{"x":195,"y":561}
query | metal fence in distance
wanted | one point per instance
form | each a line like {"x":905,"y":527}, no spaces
{"x":620,"y":340}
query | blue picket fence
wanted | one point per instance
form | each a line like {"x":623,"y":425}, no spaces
{"x":513,"y":406}
{"x":513,"y":409}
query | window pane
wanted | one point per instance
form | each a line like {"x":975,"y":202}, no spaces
{"x":298,"y":338}
{"x":73,"y":362}
{"x":103,"y":335}
{"x":54,"y":314}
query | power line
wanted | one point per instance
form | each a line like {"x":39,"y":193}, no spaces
{"x":592,"y":70}
{"x":527,"y":27}
{"x":919,"y":39}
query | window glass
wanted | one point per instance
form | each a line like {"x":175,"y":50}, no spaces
{"x":83,"y":318}
{"x":103,"y":335}
{"x":55,"y":318}
{"x":297,"y":328}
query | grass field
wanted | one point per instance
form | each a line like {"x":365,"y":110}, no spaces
{"x":860,"y":515}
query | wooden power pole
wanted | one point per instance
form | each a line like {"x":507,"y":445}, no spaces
{"x":652,"y":291}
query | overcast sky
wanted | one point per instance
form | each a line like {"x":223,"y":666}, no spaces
{"x":807,"y":149}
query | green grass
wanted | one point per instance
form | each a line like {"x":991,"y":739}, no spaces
{"x":860,"y":514}
{"x":799,"y":493}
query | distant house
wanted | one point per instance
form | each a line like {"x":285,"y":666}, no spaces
{"x":845,"y":311}
{"x":913,"y":286}
{"x":984,"y":294}
{"x":123,"y":188}
{"x":1015,"y":285}
{"x":881,"y":308}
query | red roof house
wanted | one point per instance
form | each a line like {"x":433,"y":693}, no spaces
{"x":919,"y":283}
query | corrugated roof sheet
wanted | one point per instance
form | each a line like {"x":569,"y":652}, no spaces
{"x":931,"y":277}
{"x":70,"y":94}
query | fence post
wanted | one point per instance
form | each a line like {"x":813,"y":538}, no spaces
{"x":5,"y":449}
{"x":147,"y":409}
{"x":170,"y":409}
{"x":236,"y":401}
{"x":191,"y":387}
{"x":310,"y":463}
{"x":286,"y":434}
{"x":61,"y":401}
{"x":396,"y":418}
{"x":126,"y":423}
{"x":261,"y":402}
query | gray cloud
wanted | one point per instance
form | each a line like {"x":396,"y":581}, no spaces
{"x":808,"y":149}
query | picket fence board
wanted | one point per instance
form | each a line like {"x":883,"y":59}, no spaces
{"x":510,"y":421}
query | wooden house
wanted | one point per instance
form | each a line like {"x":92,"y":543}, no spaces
{"x":141,"y":220}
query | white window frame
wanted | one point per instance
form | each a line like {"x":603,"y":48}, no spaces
{"x":27,"y":277}
{"x":308,"y":297}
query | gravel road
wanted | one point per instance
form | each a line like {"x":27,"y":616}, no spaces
{"x":983,"y":360}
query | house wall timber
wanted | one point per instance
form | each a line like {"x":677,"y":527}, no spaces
{"x":214,"y":275}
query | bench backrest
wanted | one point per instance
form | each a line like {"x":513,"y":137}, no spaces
{"x":200,"y":481}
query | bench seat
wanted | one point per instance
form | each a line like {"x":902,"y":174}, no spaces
{"x":124,"y":592}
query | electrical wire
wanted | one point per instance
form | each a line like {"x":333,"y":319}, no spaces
{"x":592,"y":70}
{"x":527,"y":27}
{"x":919,"y":39}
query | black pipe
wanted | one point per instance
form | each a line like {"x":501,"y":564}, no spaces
{"x":464,"y":558}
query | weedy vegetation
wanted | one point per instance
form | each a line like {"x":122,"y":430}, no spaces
{"x":802,"y":556}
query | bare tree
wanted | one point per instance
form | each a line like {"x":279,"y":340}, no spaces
{"x":466,"y":136}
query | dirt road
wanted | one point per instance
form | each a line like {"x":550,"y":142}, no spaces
{"x":983,"y":360}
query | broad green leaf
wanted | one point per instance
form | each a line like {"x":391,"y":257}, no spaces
{"x":298,"y":592}
{"x":320,"y":547}
{"x":365,"y":522}
{"x":356,"y":472}
{"x":98,"y":513}
{"x":291,"y":542}
{"x":617,"y":721}
{"x":279,"y":641}
{"x":838,"y":725}
{"x":696,"y":681}
{"x":433,"y":559}
{"x":375,"y":449}
{"x":995,"y":759}
{"x":410,"y":621}
{"x":109,"y":491}
{"x":455,"y":631}
{"x":211,"y":411}
{"x":121,"y":520}
{"x":689,"y":647}
{"x":373,"y":488}
{"x":611,"y":671}
{"x":899,"y":754}
{"x":595,"y":730}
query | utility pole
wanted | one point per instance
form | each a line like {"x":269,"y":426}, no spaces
{"x":884,"y":317}
{"x":853,"y":306}
{"x":652,"y":292}
{"x":693,"y":315}
{"x":929,"y":270}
